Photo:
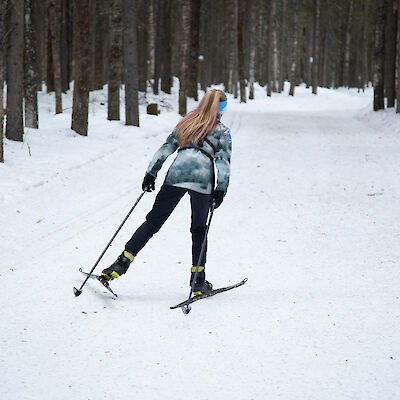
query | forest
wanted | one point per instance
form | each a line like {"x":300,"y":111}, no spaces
{"x":140,"y":45}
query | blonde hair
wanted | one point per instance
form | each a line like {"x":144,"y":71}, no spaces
{"x":197,"y":123}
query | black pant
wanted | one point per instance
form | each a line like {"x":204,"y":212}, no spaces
{"x":167,"y":199}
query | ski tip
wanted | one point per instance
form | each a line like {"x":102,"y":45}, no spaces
{"x":77,"y":292}
{"x":245,"y":280}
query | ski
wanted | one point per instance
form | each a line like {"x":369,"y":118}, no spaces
{"x":94,"y":276}
{"x":213,"y":293}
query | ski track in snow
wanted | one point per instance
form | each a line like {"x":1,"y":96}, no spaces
{"x":311,"y":218}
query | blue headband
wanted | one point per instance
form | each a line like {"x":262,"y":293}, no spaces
{"x":222,"y":105}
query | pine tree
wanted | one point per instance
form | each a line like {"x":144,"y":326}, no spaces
{"x":115,"y":59}
{"x":80,"y":105}
{"x":379,"y":57}
{"x":184,"y":56}
{"x":15,"y":71}
{"x":295,"y":6}
{"x":130,"y":63}
{"x":2,"y":56}
{"x":31,"y":79}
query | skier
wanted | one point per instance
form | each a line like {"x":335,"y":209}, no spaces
{"x":201,"y":140}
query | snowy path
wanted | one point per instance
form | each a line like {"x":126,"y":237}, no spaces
{"x":311,"y":219}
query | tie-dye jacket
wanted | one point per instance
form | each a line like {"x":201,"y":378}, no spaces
{"x":191,"y":168}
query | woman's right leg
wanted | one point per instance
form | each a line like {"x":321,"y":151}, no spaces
{"x":167,"y":199}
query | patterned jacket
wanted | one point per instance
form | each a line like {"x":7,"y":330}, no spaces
{"x":193,"y":168}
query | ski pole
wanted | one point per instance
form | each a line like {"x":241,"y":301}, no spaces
{"x":186,"y":309}
{"x":77,"y":292}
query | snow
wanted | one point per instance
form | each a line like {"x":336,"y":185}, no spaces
{"x":311,"y":218}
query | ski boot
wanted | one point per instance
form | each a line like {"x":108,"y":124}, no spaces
{"x":201,"y":286}
{"x":117,"y":269}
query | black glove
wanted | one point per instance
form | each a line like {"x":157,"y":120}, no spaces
{"x":217,"y":196}
{"x":148,"y":183}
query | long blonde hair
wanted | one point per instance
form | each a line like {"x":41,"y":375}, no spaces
{"x":197,"y":123}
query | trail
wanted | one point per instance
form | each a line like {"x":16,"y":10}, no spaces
{"x":310,"y":219}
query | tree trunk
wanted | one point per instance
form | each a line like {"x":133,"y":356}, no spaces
{"x":252,"y":51}
{"x":346,"y":65}
{"x":365,"y":46}
{"x":184,"y":57}
{"x":151,"y":28}
{"x":274,"y":49}
{"x":15,"y":71}
{"x":293,"y":80}
{"x":390,"y":51}
{"x":379,"y":57}
{"x":194,"y":48}
{"x":80,"y":105}
{"x":31,"y":78}
{"x":232,"y":29}
{"x":241,"y":61}
{"x":159,"y":10}
{"x":64,"y":28}
{"x":315,"y":76}
{"x":130,"y":63}
{"x":2,"y":57}
{"x":282,"y":45}
{"x":115,"y":57}
{"x":100,"y":34}
{"x":54,"y":22}
{"x":166,"y":72}
{"x":398,"y":64}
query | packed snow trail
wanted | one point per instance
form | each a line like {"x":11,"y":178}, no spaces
{"x":311,"y":218}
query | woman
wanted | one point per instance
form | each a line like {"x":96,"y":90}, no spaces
{"x":201,"y":140}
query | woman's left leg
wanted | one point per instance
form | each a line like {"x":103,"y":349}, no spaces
{"x":200,"y":204}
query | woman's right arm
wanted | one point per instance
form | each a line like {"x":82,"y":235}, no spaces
{"x":169,"y":147}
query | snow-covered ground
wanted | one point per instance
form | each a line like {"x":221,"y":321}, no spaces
{"x":311,"y":218}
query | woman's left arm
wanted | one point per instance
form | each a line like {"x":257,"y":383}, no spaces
{"x":169,"y":147}
{"x":223,"y":160}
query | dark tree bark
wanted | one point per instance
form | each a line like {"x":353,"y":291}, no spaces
{"x":54,"y":22}
{"x":159,"y":11}
{"x":268,"y":48}
{"x":49,"y":58}
{"x":194,"y":49}
{"x":31,"y":71}
{"x":398,"y":64}
{"x":346,"y":65}
{"x":99,"y":35}
{"x":166,"y":70}
{"x":232,"y":29}
{"x":130,"y":63}
{"x":241,"y":61}
{"x":252,"y":45}
{"x":316,"y":34}
{"x":80,"y":105}
{"x":293,"y":80}
{"x":390,"y":51}
{"x":365,"y":46}
{"x":274,"y":48}
{"x":114,"y":80}
{"x":2,"y":57}
{"x":184,"y":61}
{"x":64,"y":28}
{"x":379,"y":57}
{"x":15,"y":71}
{"x":283,"y":45}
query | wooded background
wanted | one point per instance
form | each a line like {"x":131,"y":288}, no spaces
{"x":142,"y":44}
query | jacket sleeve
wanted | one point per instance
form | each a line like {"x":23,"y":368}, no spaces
{"x":223,"y":160}
{"x":169,"y":147}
